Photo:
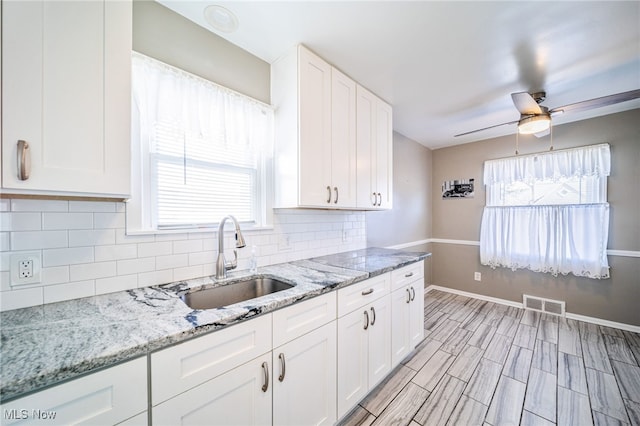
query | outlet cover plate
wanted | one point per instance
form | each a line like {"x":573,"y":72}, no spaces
{"x":36,"y":261}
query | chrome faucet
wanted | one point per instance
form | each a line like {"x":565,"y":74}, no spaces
{"x":222,"y":266}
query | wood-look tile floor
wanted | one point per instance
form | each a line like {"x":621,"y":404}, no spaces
{"x":482,"y":363}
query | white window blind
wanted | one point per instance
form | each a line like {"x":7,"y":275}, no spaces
{"x":548,"y":212}
{"x":203,"y":147}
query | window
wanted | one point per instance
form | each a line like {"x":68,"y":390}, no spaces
{"x":202,"y":151}
{"x":548,"y":212}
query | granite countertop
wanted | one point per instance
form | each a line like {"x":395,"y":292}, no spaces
{"x":48,"y":344}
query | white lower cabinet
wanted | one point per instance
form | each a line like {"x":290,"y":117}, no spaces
{"x":364,"y":343}
{"x":304,"y":379}
{"x":110,"y":396}
{"x":241,"y":396}
{"x":407,"y":307}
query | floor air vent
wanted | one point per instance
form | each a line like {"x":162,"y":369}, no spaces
{"x":549,"y":306}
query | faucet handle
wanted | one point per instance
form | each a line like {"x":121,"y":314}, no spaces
{"x":234,"y":263}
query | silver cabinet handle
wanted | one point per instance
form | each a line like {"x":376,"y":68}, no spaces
{"x":413,"y":294}
{"x":380,"y":201}
{"x":373,"y":312}
{"x":335,"y":188}
{"x":410,"y":274}
{"x":375,"y":199}
{"x":24,"y":160}
{"x":366,"y":320}
{"x":282,"y":367}
{"x":265,"y":370}
{"x":329,"y":194}
{"x":408,"y":296}
{"x":366,"y":292}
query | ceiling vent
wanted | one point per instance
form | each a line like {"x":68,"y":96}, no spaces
{"x":549,"y":306}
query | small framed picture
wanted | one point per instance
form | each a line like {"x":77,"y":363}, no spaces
{"x":462,"y":188}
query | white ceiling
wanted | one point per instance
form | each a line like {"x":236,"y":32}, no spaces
{"x":449,"y":67}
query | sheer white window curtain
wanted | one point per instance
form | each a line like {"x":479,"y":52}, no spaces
{"x":548,"y":212}
{"x":203,"y":148}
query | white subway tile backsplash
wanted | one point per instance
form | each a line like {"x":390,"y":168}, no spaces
{"x":134,"y":266}
{"x":90,"y":253}
{"x":26,"y":205}
{"x":5,"y":281}
{"x":119,"y":283}
{"x":5,"y":205}
{"x":33,"y":240}
{"x":16,"y":299}
{"x":67,"y":256}
{"x":52,"y":221}
{"x":146,"y":279}
{"x":172,"y":261}
{"x":116,"y":252}
{"x":108,"y":220}
{"x":188,"y":272}
{"x":155,"y":249}
{"x":55,"y":275}
{"x":5,"y":241}
{"x":67,"y":291}
{"x":25,"y":221}
{"x":92,"y":237}
{"x":187,"y":246}
{"x":91,"y":271}
{"x":93,"y":206}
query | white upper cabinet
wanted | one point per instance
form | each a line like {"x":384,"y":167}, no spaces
{"x":316,"y":159}
{"x":375,"y":151}
{"x":66,"y":91}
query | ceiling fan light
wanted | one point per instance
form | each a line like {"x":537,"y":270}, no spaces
{"x":535,"y":124}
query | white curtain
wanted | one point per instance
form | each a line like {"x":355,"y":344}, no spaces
{"x":205,"y":145}
{"x":557,"y":239}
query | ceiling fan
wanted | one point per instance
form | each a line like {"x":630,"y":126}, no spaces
{"x":536,"y":119}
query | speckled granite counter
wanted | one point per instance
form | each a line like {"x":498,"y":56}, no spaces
{"x":44,"y":345}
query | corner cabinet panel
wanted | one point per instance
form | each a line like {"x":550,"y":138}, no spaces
{"x":107,"y":397}
{"x":66,"y":92}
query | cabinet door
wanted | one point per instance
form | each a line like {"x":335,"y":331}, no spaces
{"x":304,"y":379}
{"x":343,"y":140}
{"x":384,"y":155}
{"x":416,"y":322}
{"x":379,"y":350}
{"x":234,"y":398}
{"x":106,"y":397}
{"x":314,"y":100}
{"x":66,"y":91}
{"x":401,"y":309}
{"x":353,"y":352}
{"x":365,"y":134}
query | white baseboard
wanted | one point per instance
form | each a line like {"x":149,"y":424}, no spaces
{"x":593,"y":320}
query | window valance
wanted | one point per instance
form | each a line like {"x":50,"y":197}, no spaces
{"x":591,"y":160}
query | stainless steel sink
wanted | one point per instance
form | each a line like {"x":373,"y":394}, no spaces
{"x":229,"y":294}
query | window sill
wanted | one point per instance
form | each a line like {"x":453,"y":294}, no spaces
{"x":203,"y":230}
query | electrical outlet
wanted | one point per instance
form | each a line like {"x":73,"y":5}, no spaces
{"x":284,"y":243}
{"x":477,"y":276}
{"x":26,"y":268}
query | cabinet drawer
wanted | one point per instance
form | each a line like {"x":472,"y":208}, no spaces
{"x":403,"y":276}
{"x":358,"y":295}
{"x":106,"y":397}
{"x":181,"y":367}
{"x":301,"y":318}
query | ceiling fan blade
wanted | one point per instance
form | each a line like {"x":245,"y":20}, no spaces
{"x":542,"y":133}
{"x":598,"y":102}
{"x":525,"y":103}
{"x":486,"y":128}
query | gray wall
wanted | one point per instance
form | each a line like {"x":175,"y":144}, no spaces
{"x":614,"y":299}
{"x":410,"y":218}
{"x":167,"y":36}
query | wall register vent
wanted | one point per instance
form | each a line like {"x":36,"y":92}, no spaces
{"x":549,"y":306}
